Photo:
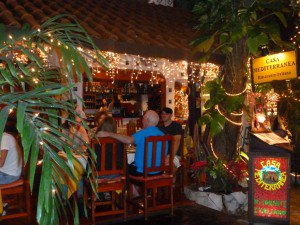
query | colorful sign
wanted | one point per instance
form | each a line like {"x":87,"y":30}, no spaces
{"x":281,"y":66}
{"x":270,"y":187}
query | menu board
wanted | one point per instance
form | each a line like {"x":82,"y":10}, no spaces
{"x":270,"y":187}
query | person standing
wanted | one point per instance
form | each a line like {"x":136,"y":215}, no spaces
{"x":10,"y":159}
{"x":173,"y":128}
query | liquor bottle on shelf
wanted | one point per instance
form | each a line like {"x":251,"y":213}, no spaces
{"x":86,"y":87}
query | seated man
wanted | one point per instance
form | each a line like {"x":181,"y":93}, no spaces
{"x":10,"y":159}
{"x":175,"y":129}
{"x":150,"y":121}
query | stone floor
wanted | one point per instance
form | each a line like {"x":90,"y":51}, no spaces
{"x":192,"y":214}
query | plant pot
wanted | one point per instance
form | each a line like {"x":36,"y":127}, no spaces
{"x":208,"y":199}
{"x":236,"y":203}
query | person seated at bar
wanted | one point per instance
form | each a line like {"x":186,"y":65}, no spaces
{"x":10,"y":159}
{"x":173,"y":128}
{"x":99,"y":117}
{"x":150,"y":121}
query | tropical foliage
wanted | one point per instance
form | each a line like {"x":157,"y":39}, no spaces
{"x":223,"y":23}
{"x":237,"y":29}
{"x":218,"y":102}
{"x":38,"y":70}
{"x":226,"y":178}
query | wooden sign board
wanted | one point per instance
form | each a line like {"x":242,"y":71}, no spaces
{"x":281,"y":66}
{"x":269,"y":191}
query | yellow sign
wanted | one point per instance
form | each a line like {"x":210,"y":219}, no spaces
{"x":281,"y":66}
{"x":269,"y":177}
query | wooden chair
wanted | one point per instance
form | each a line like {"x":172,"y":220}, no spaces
{"x":119,"y":121}
{"x":131,"y":128}
{"x":102,"y":147}
{"x":20,"y":206}
{"x":153,"y":182}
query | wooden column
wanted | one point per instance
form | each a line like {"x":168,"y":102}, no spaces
{"x":194,"y":99}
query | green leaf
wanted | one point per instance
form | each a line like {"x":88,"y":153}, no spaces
{"x":33,"y":162}
{"x":20,"y":115}
{"x":244,"y":155}
{"x":27,"y":137}
{"x":7,"y":77}
{"x":205,"y":45}
{"x":47,"y":177}
{"x":253,"y":43}
{"x":205,"y":119}
{"x":3,"y":118}
{"x":281,"y":17}
{"x":217,"y":124}
{"x":224,"y":37}
{"x":23,"y":68}
{"x":31,"y":56}
{"x":233,"y":103}
{"x":57,"y":91}
{"x":11,"y":68}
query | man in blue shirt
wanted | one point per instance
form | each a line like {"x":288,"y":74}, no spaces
{"x":150,"y":121}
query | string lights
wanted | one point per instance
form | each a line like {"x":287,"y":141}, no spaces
{"x":237,"y":94}
{"x":237,"y":114}
{"x":181,"y":104}
{"x":291,"y":96}
{"x":136,"y":65}
{"x":229,"y":120}
{"x":295,"y":39}
{"x":212,"y":148}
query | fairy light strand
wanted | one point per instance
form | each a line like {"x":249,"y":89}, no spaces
{"x":229,"y":120}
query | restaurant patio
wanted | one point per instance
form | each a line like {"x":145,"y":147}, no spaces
{"x":159,"y":111}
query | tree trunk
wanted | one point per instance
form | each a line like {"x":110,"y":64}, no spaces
{"x":235,"y":77}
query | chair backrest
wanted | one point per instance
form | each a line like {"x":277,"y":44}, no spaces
{"x":111,"y":157}
{"x":131,"y":128}
{"x":157,"y":146}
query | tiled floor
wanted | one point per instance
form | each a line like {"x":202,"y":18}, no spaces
{"x":192,"y":214}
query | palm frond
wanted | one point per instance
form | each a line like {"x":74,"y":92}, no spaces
{"x":35,"y":88}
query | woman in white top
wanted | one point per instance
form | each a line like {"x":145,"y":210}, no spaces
{"x":10,"y":159}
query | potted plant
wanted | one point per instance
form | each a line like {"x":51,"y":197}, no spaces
{"x":225,"y":188}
